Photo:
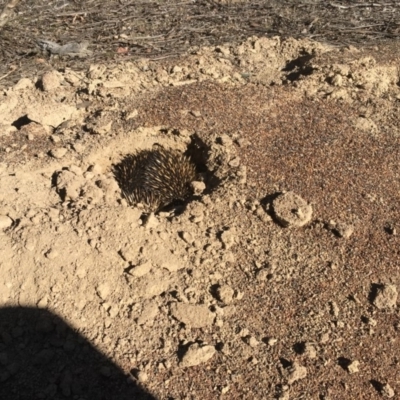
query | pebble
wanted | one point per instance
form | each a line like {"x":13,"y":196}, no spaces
{"x":225,"y":294}
{"x":149,"y":313}
{"x":59,"y":152}
{"x":296,"y":372}
{"x":193,"y":315}
{"x":103,"y":290}
{"x":142,"y":376}
{"x":252,"y":341}
{"x":387,"y":391}
{"x":343,"y":230}
{"x":151,"y":221}
{"x":52,"y":254}
{"x":196,"y":355}
{"x":272,"y":342}
{"x":291,"y":210}
{"x":198,"y":187}
{"x":5,"y":222}
{"x":386,"y":297}
{"x":141,"y":269}
{"x":310,"y":351}
{"x":50,"y":81}
{"x":353,"y":367}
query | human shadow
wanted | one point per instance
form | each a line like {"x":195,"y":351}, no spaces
{"x":42,"y":357}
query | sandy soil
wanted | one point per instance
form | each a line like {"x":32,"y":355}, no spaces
{"x":278,"y":282}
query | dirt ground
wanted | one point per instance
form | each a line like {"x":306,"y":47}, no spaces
{"x":278,"y":282}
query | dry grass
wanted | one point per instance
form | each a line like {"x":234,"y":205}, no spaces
{"x":124,"y":29}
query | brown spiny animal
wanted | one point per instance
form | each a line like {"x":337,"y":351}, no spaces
{"x":155,"y":178}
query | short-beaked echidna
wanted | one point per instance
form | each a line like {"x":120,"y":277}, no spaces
{"x":155,"y":178}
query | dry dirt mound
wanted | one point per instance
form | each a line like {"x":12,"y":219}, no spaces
{"x":274,"y":281}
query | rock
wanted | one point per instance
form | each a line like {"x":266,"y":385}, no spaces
{"x":148,"y":314}
{"x":310,"y":351}
{"x":59,"y":152}
{"x":228,"y":238}
{"x":142,"y":376}
{"x":272,"y":342}
{"x":5,"y":222}
{"x":103,"y":290}
{"x":198,"y":187}
{"x":196,"y":355}
{"x":151,"y":221}
{"x":386,"y":297}
{"x":50,"y":81}
{"x":52,"y":254}
{"x":24,"y":83}
{"x":343,"y":230}
{"x":387,"y":391}
{"x":79,"y":148}
{"x":252,"y":341}
{"x":195,"y":316}
{"x":69,"y":185}
{"x":296,"y":372}
{"x":225,"y":294}
{"x":353,"y":367}
{"x":291,"y":210}
{"x":187,"y":237}
{"x":196,"y":113}
{"x":334,"y":309}
{"x":50,"y":114}
{"x":141,"y":269}
{"x":164,"y":258}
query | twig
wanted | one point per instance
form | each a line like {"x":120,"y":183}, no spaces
{"x":7,"y":12}
{"x":13,"y":68}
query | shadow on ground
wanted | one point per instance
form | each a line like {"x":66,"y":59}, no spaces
{"x":42,"y":357}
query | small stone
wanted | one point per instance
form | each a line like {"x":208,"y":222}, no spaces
{"x":225,"y":294}
{"x":142,"y":376}
{"x":252,"y":341}
{"x":187,"y":237}
{"x":196,"y":355}
{"x":198,"y":187}
{"x":52,"y":254}
{"x":151,"y":221}
{"x":353,"y":367}
{"x":324,"y":338}
{"x":291,"y":210}
{"x":296,"y":372}
{"x":343,"y":230}
{"x":132,"y":114}
{"x":334,"y":309}
{"x":196,"y":113}
{"x":386,"y":297}
{"x":50,"y":81}
{"x":79,"y":148}
{"x":23,"y":83}
{"x":272,"y":342}
{"x":193,"y":315}
{"x":141,"y":269}
{"x":149,"y":312}
{"x":5,"y":222}
{"x":59,"y":152}
{"x":235,"y":162}
{"x":225,"y":389}
{"x":310,"y":351}
{"x":387,"y":391}
{"x":55,"y":139}
{"x":96,"y":169}
{"x":103,"y":290}
{"x":262,"y":274}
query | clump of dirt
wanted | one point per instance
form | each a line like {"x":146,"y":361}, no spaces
{"x":216,"y":299}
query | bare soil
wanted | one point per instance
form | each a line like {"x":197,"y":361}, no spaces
{"x":216,"y":299}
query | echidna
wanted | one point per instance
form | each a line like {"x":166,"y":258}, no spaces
{"x":155,"y":178}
